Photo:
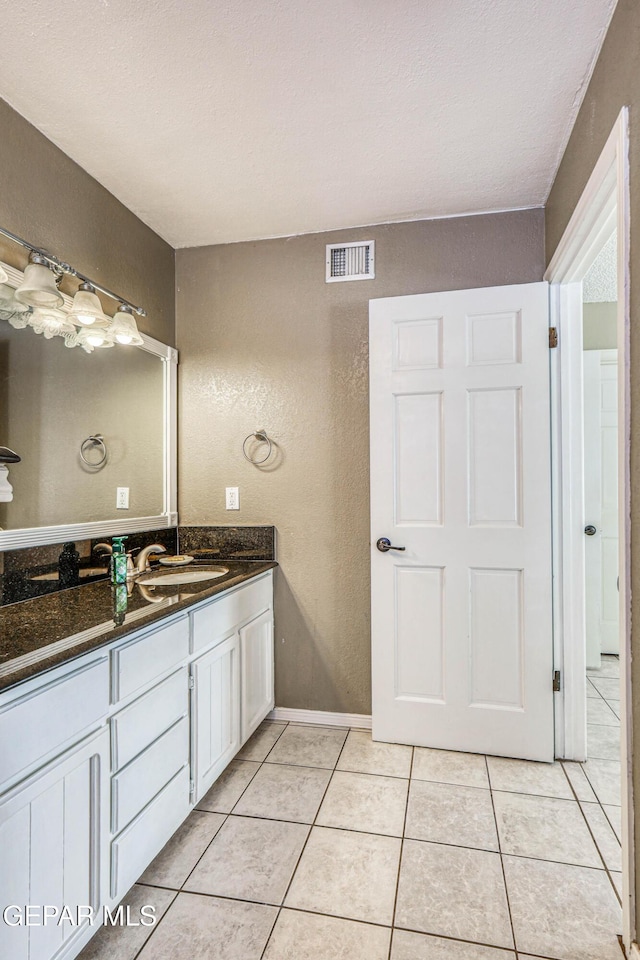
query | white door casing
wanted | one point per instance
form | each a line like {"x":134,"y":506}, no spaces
{"x":601,"y":503}
{"x":460,"y":476}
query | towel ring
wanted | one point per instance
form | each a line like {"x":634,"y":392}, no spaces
{"x":262,"y":436}
{"x":95,"y":441}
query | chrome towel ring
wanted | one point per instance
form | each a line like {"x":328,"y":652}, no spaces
{"x":97,"y":440}
{"x":261,"y":436}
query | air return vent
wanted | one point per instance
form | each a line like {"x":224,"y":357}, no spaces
{"x":350,"y":261}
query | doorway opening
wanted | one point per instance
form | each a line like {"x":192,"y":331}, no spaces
{"x":589,"y":291}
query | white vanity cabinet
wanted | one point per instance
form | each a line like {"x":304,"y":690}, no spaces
{"x":101,"y":759}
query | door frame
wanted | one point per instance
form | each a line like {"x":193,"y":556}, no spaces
{"x":603,"y":206}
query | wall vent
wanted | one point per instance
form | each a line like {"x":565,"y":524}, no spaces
{"x":350,"y":261}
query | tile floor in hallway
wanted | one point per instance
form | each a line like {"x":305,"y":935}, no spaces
{"x":318,"y":844}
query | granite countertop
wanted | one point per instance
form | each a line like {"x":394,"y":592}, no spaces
{"x":44,"y":632}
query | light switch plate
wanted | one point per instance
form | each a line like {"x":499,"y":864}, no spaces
{"x":122,"y":498}
{"x":233,"y":498}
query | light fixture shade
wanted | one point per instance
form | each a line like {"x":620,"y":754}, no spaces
{"x":50,"y":322}
{"x":4,"y":276}
{"x":38,"y":287}
{"x":98,"y":338}
{"x":86,"y":310}
{"x":124,"y":328}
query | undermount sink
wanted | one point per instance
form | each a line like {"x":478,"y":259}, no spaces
{"x":82,"y":573}
{"x":160,"y":578}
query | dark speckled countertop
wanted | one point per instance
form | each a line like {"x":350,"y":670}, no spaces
{"x":38,"y":634}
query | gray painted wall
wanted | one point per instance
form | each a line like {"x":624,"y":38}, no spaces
{"x":265,"y":342}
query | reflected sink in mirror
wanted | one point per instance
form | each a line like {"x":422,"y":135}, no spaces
{"x":160,"y":578}
{"x":83,"y":573}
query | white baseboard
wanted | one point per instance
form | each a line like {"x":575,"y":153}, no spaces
{"x":325,"y":718}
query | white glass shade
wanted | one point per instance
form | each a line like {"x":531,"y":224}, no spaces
{"x":50,"y":322}
{"x":95,"y":337}
{"x":124,"y":329}
{"x":87,"y":309}
{"x":4,"y":276}
{"x":38,"y":287}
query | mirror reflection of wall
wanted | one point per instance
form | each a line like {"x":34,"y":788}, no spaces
{"x":51,"y":399}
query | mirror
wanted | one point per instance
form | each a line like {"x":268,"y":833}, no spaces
{"x":53,"y":400}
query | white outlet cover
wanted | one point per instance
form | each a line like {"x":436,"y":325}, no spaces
{"x":122,"y":498}
{"x":233,"y":498}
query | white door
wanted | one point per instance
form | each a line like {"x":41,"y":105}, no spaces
{"x":601,"y":503}
{"x":215,"y":712}
{"x":460,"y":477}
{"x":256,"y":645}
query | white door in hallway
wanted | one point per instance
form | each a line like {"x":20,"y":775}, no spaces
{"x":600,"y":387}
{"x":460,"y":477}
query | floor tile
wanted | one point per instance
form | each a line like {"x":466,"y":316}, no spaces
{"x":177,"y":859}
{"x":347,"y":874}
{"x":258,"y":746}
{"x":283,"y":792}
{"x":603,"y":742}
{"x":544,"y":828}
{"x":204,"y":927}
{"x":229,"y":787}
{"x":361,"y":801}
{"x":614,"y":816}
{"x":579,"y":781}
{"x":453,"y":891}
{"x":604,"y":777}
{"x":613,"y":705}
{"x":250,"y":859}
{"x":419,"y":946}
{"x":449,"y":813}
{"x":562,"y":911}
{"x":591,"y":691}
{"x":307,"y":936}
{"x":607,"y":686}
{"x":606,"y":840}
{"x":617,"y":881}
{"x":309,"y":746}
{"x":122,"y":942}
{"x":609,"y":667}
{"x":525,"y":776}
{"x":362,"y":755}
{"x":447,"y":766}
{"x":599,"y":711}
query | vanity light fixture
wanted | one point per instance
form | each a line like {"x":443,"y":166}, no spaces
{"x":98,"y":338}
{"x":3,"y":275}
{"x":87,"y":310}
{"x":38,"y":287}
{"x":50,"y":322}
{"x":124,"y":327}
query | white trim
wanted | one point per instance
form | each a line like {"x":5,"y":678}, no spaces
{"x":39,"y":536}
{"x":603,"y":207}
{"x":325,"y":718}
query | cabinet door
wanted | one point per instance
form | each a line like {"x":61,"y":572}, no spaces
{"x":256,"y":639}
{"x":215,"y":712}
{"x":54,"y":837}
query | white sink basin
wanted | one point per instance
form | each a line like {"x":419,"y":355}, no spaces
{"x":160,"y":578}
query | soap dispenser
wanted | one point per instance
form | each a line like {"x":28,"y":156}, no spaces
{"x":118,"y":561}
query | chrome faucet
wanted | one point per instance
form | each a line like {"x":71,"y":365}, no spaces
{"x":104,"y":548}
{"x":142,"y":560}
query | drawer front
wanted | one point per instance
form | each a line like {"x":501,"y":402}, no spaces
{"x":143,"y":721}
{"x":144,"y":777}
{"x":141,"y":661}
{"x":213,"y":623}
{"x":135,"y":848}
{"x":51,"y":716}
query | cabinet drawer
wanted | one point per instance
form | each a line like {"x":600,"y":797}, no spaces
{"x":141,"y":661}
{"x":144,"y":777}
{"x":214,"y":623}
{"x":51,"y":716}
{"x":135,"y":848}
{"x":144,"y":720}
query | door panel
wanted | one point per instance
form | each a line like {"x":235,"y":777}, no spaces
{"x":460,"y":477}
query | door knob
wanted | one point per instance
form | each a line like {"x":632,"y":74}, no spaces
{"x":590,"y":530}
{"x":384,"y":545}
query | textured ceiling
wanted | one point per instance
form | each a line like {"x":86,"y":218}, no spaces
{"x":227,"y":121}
{"x":600,"y":284}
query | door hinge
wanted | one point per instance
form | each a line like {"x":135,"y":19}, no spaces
{"x":553,"y":337}
{"x":192,"y":683}
{"x":556,"y":681}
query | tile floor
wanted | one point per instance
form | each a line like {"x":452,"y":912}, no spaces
{"x":318,"y":844}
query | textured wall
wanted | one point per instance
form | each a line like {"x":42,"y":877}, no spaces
{"x":614,"y":84}
{"x":265,"y":342}
{"x":50,"y":201}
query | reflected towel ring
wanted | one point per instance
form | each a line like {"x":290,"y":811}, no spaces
{"x":260,"y":435}
{"x":96,"y":441}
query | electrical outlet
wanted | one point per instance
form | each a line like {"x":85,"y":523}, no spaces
{"x":233,"y":498}
{"x":122,"y":498}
